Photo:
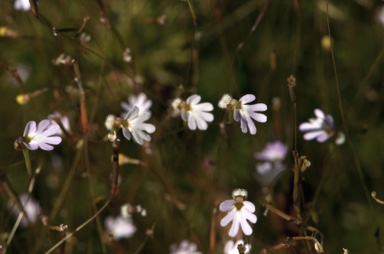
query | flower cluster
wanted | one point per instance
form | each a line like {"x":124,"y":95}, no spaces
{"x":119,"y":227}
{"x":321,"y":128}
{"x":42,"y":136}
{"x":243,"y":112}
{"x":239,"y":211}
{"x":196,"y":114}
{"x":272,"y":156}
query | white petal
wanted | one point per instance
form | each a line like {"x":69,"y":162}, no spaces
{"x":261,"y":118}
{"x":319,"y":113}
{"x":43,"y":125}
{"x":29,"y":128}
{"x":45,"y":146}
{"x":258,"y":107}
{"x":235,"y":225}
{"x":228,"y":218}
{"x":247,"y":98}
{"x":245,"y":227}
{"x":249,"y":206}
{"x":308,"y":127}
{"x":313,"y":134}
{"x":193,"y":99}
{"x":323,"y":137}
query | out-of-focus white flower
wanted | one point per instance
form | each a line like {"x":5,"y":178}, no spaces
{"x":320,"y":128}
{"x":244,"y":113}
{"x":197,"y":115}
{"x":141,"y":101}
{"x":379,"y":15}
{"x":31,"y":207}
{"x":22,"y":5}
{"x":110,"y":122}
{"x":185,"y":247}
{"x":272,"y":156}
{"x":127,"y":210}
{"x":119,"y":227}
{"x":43,"y":136}
{"x":63,"y":120}
{"x":133,"y":125}
{"x":239,"y":211}
{"x":231,"y":247}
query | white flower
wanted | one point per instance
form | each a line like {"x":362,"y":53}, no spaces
{"x":31,"y":207}
{"x":321,"y":128}
{"x":43,"y":137}
{"x":197,"y":115}
{"x":119,"y":227}
{"x":64,"y":121}
{"x":239,"y":211}
{"x":185,"y":247}
{"x":141,"y":101}
{"x":231,"y":247}
{"x":133,"y":125}
{"x":244,"y":113}
{"x":22,"y":5}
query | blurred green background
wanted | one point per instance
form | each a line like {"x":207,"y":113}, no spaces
{"x":179,"y":48}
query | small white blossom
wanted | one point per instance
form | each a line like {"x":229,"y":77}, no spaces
{"x":43,"y":136}
{"x":31,"y":207}
{"x":175,"y":106}
{"x":119,"y":227}
{"x":239,"y":212}
{"x":231,"y":247}
{"x":197,"y":115}
{"x":185,"y":247}
{"x":133,"y":125}
{"x":320,"y":128}
{"x":141,"y":101}
{"x":244,"y":113}
{"x":22,"y":5}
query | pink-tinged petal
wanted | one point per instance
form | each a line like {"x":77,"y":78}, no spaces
{"x":29,"y":128}
{"x":323,"y":137}
{"x":201,"y":124}
{"x":236,"y":115}
{"x":44,"y":146}
{"x":319,"y":113}
{"x":193,"y":99}
{"x":43,"y":125}
{"x":308,"y":127}
{"x":227,"y":205}
{"x":247,"y":230}
{"x":228,"y":218}
{"x":328,"y":120}
{"x":249,"y":206}
{"x":313,"y":134}
{"x":261,"y":118}
{"x":247,"y":98}
{"x":258,"y":107}
{"x":52,"y":140}
{"x":31,"y":146}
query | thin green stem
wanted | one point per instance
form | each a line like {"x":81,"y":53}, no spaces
{"x":27,"y":161}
